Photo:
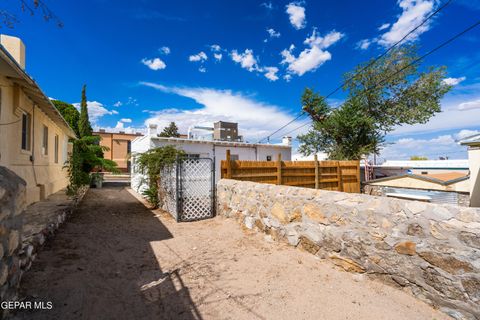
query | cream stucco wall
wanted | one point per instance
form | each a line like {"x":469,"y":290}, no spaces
{"x":43,"y":175}
{"x":474,"y":161}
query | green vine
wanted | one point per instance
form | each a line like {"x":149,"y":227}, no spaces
{"x":151,"y":164}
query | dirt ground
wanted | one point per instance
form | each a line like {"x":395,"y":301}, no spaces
{"x":115,"y":259}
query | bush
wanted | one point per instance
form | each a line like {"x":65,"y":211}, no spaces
{"x":151,"y":163}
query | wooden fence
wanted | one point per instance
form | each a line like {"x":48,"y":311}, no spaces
{"x":327,"y":175}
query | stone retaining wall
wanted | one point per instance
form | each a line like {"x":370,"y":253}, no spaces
{"x":430,"y":250}
{"x":12,"y":204}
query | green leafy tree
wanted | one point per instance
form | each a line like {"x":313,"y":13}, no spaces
{"x":69,"y":113}
{"x":84,"y":159}
{"x":84,"y":126}
{"x":170,"y":131}
{"x":383,"y":95}
{"x":418,"y":158}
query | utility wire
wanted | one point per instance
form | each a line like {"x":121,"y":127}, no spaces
{"x":443,"y":44}
{"x":363,"y":69}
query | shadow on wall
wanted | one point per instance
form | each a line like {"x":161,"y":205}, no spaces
{"x":101,"y":265}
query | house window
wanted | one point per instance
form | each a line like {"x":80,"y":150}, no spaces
{"x":269,"y":158}
{"x":45,"y":141}
{"x":56,"y":149}
{"x":234,"y":157}
{"x":129,"y":146}
{"x":26,"y":130}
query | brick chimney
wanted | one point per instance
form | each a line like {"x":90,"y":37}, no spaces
{"x":15,"y":48}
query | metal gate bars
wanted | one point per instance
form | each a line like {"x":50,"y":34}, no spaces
{"x":187,"y":189}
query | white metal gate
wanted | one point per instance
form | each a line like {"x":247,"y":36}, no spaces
{"x":187,"y":189}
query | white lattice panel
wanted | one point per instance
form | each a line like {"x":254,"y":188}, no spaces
{"x":196,"y":189}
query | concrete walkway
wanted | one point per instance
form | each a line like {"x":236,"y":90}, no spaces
{"x":115,"y":259}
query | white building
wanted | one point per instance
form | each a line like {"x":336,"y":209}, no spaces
{"x":213,"y":149}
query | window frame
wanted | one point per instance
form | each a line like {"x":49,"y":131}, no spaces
{"x":56,"y":144}
{"x":26,"y":132}
{"x":45,"y":140}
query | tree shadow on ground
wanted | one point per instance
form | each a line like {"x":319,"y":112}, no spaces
{"x":100,"y":265}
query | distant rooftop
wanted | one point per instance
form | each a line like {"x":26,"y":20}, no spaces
{"x":463,"y":163}
{"x":472,"y":140}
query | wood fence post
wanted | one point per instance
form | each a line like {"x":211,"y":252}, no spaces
{"x":279,"y":169}
{"x":317,"y":176}
{"x":339,"y":177}
{"x":229,"y":165}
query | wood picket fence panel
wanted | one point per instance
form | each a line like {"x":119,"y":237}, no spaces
{"x":327,"y":175}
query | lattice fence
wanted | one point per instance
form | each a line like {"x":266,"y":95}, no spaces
{"x":187,"y":189}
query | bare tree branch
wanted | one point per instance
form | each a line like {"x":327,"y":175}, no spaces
{"x":9,"y":20}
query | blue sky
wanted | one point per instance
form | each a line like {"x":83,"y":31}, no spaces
{"x":246,"y":61}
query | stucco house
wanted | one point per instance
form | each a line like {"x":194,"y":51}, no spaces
{"x":473,"y":144}
{"x":33,"y":134}
{"x":213,"y":149}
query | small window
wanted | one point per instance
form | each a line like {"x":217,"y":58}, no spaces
{"x":424,"y":172}
{"x":234,"y":157}
{"x":26,"y":130}
{"x":45,"y":141}
{"x":56,"y":149}
{"x":129,"y":146}
{"x":269,"y":158}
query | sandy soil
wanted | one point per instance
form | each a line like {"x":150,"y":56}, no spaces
{"x":115,"y":259}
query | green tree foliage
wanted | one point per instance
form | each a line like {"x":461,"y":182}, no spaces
{"x":418,"y":158}
{"x":84,"y":159}
{"x":389,"y":93}
{"x":69,"y":113}
{"x":84,"y":126}
{"x":170,"y":131}
{"x":151,"y":163}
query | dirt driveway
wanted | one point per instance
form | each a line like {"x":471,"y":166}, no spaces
{"x":115,"y":259}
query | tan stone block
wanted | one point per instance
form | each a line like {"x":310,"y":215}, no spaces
{"x":308,"y":245}
{"x":447,"y":263}
{"x":406,"y":247}
{"x":314,"y":212}
{"x":296,"y":216}
{"x":435,"y":231}
{"x":278,"y":212}
{"x":259,"y":224}
{"x":347,"y":264}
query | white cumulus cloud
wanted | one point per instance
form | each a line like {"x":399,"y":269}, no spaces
{"x":154,"y":64}
{"x":272,"y":33}
{"x":310,"y":58}
{"x":271,"y":73}
{"x":256,"y":119}
{"x":201,"y":56}
{"x":218,"y":56}
{"x":453,"y":81}
{"x":245,"y":59}
{"x":165,"y":50}
{"x":126,"y":120}
{"x":215,"y":48}
{"x":469,"y":105}
{"x":96,"y":110}
{"x":413,"y":13}
{"x":296,"y":14}
{"x":384,"y":26}
{"x":364,"y":44}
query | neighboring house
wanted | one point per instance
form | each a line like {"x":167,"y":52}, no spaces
{"x":213,"y":149}
{"x":451,"y":187}
{"x":473,"y":144}
{"x":119,"y":147}
{"x":400,"y":167}
{"x":33,"y":135}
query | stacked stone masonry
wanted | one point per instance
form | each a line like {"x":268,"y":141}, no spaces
{"x":12,"y":204}
{"x":23,"y":230}
{"x":430,"y":250}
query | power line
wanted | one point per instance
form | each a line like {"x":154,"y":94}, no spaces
{"x":363,"y":69}
{"x":389,"y":49}
{"x":458,"y":35}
